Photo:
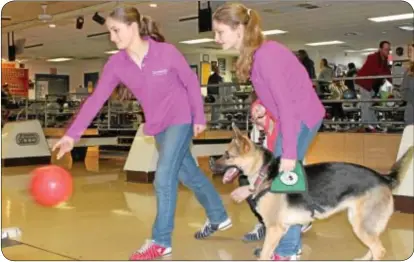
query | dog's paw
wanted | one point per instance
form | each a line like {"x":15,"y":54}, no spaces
{"x":368,"y":256}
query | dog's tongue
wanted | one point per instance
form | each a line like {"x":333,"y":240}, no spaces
{"x":230,"y":175}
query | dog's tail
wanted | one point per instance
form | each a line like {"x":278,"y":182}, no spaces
{"x":399,"y":168}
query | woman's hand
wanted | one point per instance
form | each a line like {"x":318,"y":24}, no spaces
{"x":65,"y":145}
{"x":258,"y":116}
{"x":198,"y":129}
{"x":287,"y":165}
{"x":240,"y":194}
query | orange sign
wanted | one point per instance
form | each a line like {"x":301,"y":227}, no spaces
{"x":8,"y":65}
{"x":17,"y":79}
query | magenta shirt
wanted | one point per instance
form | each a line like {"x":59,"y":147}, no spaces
{"x":285,"y":89}
{"x":166,"y":87}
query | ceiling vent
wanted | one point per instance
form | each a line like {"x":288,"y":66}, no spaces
{"x":308,"y":6}
{"x":271,"y":11}
{"x":352,"y":34}
{"x":290,"y":8}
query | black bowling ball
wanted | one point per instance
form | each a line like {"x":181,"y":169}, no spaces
{"x":209,"y":99}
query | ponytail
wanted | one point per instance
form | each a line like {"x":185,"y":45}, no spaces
{"x":149,"y":27}
{"x":233,"y":15}
{"x":253,"y":39}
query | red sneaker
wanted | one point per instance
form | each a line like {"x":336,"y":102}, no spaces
{"x":276,"y":257}
{"x":151,"y":251}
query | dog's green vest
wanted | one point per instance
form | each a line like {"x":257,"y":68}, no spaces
{"x":290,"y":182}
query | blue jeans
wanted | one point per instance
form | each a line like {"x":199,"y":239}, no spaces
{"x":291,"y":242}
{"x":176,"y":163}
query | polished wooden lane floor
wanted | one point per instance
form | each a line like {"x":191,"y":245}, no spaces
{"x":107,"y":219}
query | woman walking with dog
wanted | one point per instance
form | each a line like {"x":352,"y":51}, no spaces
{"x":284,"y":88}
{"x":169,"y":92}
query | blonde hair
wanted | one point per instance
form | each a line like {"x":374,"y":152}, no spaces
{"x":147,"y":27}
{"x":234,"y":15}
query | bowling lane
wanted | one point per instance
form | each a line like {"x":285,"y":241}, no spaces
{"x":24,"y":252}
{"x":107,"y":219}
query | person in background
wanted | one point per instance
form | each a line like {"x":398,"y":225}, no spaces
{"x":170,"y":95}
{"x":375,"y":65}
{"x":5,"y":99}
{"x":307,"y":63}
{"x":214,"y":79}
{"x":325,"y":76}
{"x":326,"y":73}
{"x":407,"y":89}
{"x":214,"y":91}
{"x":352,"y":72}
{"x":284,"y":88}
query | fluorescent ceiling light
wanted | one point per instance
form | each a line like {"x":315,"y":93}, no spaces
{"x":197,"y":41}
{"x":392,"y":18}
{"x":369,"y":49}
{"x":362,"y":50}
{"x":208,"y":40}
{"x":111,"y":52}
{"x":366,"y":53}
{"x":336,"y":42}
{"x":407,"y":28}
{"x":153,"y":5}
{"x":59,"y":59}
{"x":274,"y":32}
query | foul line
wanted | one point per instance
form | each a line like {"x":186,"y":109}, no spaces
{"x":48,"y":251}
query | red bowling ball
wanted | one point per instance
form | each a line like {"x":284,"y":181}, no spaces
{"x":51,"y":185}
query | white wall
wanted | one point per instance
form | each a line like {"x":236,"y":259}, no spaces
{"x":74,"y":69}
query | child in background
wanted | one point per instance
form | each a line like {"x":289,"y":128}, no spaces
{"x":263,"y":133}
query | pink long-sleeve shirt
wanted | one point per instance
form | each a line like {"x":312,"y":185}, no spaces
{"x":285,"y":89}
{"x":165,"y":85}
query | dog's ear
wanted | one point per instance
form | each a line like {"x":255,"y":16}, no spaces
{"x":243,"y":144}
{"x":236,"y":131}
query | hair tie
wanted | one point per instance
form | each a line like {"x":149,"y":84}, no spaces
{"x":248,"y":11}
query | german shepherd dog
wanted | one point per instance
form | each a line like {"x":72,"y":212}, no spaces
{"x":332,"y":187}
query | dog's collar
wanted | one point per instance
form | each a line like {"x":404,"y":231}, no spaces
{"x":262,"y":175}
{"x":259,"y":180}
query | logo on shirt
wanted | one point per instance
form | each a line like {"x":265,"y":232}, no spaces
{"x":161,"y":72}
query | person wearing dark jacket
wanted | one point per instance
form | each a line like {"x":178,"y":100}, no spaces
{"x":375,"y":65}
{"x":352,"y":71}
{"x":307,"y":63}
{"x":214,"y":79}
{"x":214,"y":91}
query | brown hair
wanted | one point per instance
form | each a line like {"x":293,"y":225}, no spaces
{"x":233,"y":15}
{"x":411,"y":64}
{"x":147,"y":27}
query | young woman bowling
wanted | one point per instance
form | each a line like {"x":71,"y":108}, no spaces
{"x":284,"y":88}
{"x":169,"y":92}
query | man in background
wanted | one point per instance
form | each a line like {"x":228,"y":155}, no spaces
{"x":375,"y":65}
{"x":214,"y":91}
